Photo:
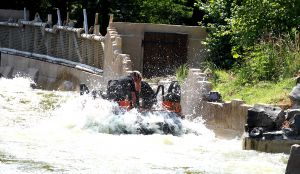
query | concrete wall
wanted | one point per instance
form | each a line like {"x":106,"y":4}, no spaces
{"x":49,"y":75}
{"x":227,"y":118}
{"x":115,"y":62}
{"x":270,"y":146}
{"x":132,"y":35}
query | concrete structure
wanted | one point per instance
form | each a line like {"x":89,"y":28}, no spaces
{"x":62,"y":45}
{"x":132,"y":35}
{"x":270,"y":146}
{"x":293,"y":166}
{"x":226,"y":119}
{"x":115,"y":53}
{"x":47,"y":74}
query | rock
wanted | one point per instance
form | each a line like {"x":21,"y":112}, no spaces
{"x":268,"y":117}
{"x":295,"y":96}
{"x":293,"y":165}
{"x":293,"y":120}
{"x":290,"y":113}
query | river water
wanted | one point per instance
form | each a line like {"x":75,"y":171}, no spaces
{"x":65,"y":133}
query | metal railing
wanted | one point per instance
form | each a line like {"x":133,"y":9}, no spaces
{"x":59,"y":42}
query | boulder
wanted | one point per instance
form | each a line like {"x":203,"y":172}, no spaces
{"x":290,"y":113}
{"x":295,"y":95}
{"x":267,"y":117}
{"x":293,"y":120}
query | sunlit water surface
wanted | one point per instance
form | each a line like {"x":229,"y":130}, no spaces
{"x":62,"y":132}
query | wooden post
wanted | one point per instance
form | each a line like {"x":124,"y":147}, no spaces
{"x":96,"y":25}
{"x":111,"y":19}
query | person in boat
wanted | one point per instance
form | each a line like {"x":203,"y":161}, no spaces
{"x":125,"y":90}
{"x":147,"y":96}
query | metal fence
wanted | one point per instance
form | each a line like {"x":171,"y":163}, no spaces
{"x":60,"y":42}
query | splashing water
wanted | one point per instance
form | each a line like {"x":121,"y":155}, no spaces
{"x":62,"y":132}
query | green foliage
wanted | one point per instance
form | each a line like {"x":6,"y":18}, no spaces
{"x":182,"y":72}
{"x":220,"y":76}
{"x":235,"y":26}
{"x":218,"y":42}
{"x":152,"y":11}
{"x":271,"y":61}
{"x":260,"y":19}
{"x":164,"y":11}
{"x":261,"y":92}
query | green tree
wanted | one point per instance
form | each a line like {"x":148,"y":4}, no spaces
{"x":254,"y":20}
{"x":152,"y":11}
{"x":216,"y":21}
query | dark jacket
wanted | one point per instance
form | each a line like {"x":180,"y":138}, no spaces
{"x":121,"y":89}
{"x":147,"y":95}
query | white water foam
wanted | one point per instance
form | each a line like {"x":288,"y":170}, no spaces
{"x":72,"y":137}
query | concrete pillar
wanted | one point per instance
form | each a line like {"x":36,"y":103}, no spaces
{"x":293,"y":165}
{"x":193,"y":90}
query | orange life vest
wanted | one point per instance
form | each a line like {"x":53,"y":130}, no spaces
{"x":172,"y":106}
{"x":126,"y":104}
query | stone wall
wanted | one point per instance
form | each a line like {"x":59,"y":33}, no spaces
{"x":115,"y":62}
{"x":228,"y":117}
